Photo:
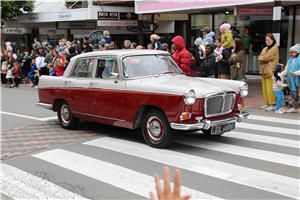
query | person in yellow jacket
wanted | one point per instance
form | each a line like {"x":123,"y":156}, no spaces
{"x":227,"y":39}
{"x":268,"y":60}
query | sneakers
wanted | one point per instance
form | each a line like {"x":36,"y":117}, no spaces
{"x":292,"y":110}
{"x":30,"y":84}
{"x":271,"y":108}
{"x":36,"y":86}
{"x":279,"y":111}
{"x":265,"y":106}
{"x":282,"y":110}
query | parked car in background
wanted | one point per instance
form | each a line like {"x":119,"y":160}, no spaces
{"x":142,"y":89}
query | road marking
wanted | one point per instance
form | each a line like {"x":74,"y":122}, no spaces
{"x":29,"y":117}
{"x":274,"y":119}
{"x":273,"y":129}
{"x":274,"y":157}
{"x":263,"y":139}
{"x":115,"y":175}
{"x":242,"y":175}
{"x":18,"y":184}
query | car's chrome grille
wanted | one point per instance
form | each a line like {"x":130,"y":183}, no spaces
{"x":219,"y":104}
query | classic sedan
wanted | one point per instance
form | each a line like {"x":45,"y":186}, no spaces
{"x":142,"y":89}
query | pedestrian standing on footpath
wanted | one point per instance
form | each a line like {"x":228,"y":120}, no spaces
{"x":182,"y":57}
{"x":155,"y":42}
{"x":3,"y":70}
{"x":278,"y":86}
{"x":268,"y":60}
{"x":49,"y":55}
{"x":292,"y":71}
{"x":207,"y":67}
{"x":16,"y":73}
{"x":223,"y":67}
{"x":237,"y":61}
{"x":194,"y":61}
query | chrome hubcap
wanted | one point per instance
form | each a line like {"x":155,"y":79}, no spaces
{"x":155,"y":128}
{"x":65,"y":114}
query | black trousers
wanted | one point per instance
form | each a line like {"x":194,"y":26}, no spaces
{"x":3,"y":78}
{"x":43,"y":71}
{"x":17,"y":81}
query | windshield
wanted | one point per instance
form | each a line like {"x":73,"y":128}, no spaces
{"x":145,"y":65}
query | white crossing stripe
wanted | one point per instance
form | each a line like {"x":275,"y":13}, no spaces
{"x":29,"y":117}
{"x":18,"y":184}
{"x":115,"y":175}
{"x":240,"y":151}
{"x":273,"y":129}
{"x":250,"y":177}
{"x":263,"y":139}
{"x":275,"y":119}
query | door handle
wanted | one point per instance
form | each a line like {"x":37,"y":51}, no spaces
{"x":91,"y":83}
{"x":67,"y":82}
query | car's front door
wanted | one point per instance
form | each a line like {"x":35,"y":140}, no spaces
{"x":79,"y":82}
{"x":106,"y":94}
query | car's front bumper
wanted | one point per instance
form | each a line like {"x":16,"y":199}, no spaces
{"x":206,"y":124}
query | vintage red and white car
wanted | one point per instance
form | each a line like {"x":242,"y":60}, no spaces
{"x":142,"y":89}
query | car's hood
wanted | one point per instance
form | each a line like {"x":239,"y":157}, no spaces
{"x":175,"y":85}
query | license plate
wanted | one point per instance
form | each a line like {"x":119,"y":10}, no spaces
{"x":219,"y":129}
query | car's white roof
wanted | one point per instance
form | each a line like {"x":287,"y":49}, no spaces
{"x":122,"y":52}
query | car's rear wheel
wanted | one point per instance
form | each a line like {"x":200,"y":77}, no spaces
{"x":208,"y":132}
{"x":65,"y":116}
{"x":156,"y":129}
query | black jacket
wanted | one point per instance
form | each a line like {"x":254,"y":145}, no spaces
{"x":72,"y":53}
{"x":223,"y":64}
{"x":87,"y":49}
{"x":207,"y":66}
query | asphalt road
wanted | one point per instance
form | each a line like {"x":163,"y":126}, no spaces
{"x":258,"y":160}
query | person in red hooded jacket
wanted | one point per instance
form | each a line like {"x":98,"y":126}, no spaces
{"x":182,"y":57}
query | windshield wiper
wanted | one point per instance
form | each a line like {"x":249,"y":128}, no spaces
{"x":180,"y":73}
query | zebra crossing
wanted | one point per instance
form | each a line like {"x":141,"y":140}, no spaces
{"x":247,"y":163}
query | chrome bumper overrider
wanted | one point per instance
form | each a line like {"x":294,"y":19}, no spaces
{"x":45,"y":105}
{"x":206,"y":124}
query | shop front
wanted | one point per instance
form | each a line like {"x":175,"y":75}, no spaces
{"x":252,"y":20}
{"x":16,"y":37}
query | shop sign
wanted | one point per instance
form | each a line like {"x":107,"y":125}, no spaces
{"x":128,"y":16}
{"x":33,"y":18}
{"x":117,"y":23}
{"x":76,"y":25}
{"x":51,"y":31}
{"x":254,"y":11}
{"x":178,"y":5}
{"x":146,"y":28}
{"x":65,"y":16}
{"x":15,"y":30}
{"x":108,"y":15}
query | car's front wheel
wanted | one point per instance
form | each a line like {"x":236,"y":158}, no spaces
{"x":156,"y":129}
{"x":65,"y":116}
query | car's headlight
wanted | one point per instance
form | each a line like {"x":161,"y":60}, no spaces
{"x":189,"y":97}
{"x":243,"y":89}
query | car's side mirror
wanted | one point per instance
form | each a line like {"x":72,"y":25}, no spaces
{"x":114,"y":75}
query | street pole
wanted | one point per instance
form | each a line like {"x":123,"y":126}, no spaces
{"x":277,"y":20}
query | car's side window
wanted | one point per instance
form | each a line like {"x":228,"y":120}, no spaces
{"x":84,"y":68}
{"x":105,"y":66}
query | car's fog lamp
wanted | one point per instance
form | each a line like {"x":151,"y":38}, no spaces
{"x":189,"y":97}
{"x":240,"y":106}
{"x":185,"y":116}
{"x":243,"y":89}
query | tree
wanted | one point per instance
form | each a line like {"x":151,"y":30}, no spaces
{"x":11,"y":10}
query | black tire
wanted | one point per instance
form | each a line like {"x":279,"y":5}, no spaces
{"x":65,"y":116}
{"x":207,"y":132}
{"x":156,"y":129}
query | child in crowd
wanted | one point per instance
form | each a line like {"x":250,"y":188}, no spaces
{"x":58,"y":67}
{"x":15,"y":71}
{"x":51,"y":70}
{"x":106,"y":37}
{"x":66,"y":63}
{"x":227,"y":39}
{"x":278,"y":86}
